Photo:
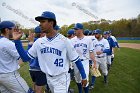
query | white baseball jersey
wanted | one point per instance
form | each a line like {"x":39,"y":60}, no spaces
{"x":8,"y":56}
{"x":101,"y":46}
{"x":54,"y":54}
{"x":92,"y":38}
{"x":83,"y":46}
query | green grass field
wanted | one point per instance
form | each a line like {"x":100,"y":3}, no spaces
{"x":129,"y":41}
{"x":124,"y":76}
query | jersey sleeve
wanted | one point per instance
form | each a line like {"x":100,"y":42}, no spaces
{"x":32,"y":52}
{"x":114,"y":39}
{"x":112,"y":42}
{"x":71,"y":52}
{"x":11,"y":50}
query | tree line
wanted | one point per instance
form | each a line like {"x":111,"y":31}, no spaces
{"x":119,"y":28}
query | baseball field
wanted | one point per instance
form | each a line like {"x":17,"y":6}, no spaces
{"x":124,"y":76}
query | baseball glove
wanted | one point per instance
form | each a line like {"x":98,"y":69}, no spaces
{"x":95,"y":72}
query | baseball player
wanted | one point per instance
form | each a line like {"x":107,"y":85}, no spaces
{"x":10,"y":79}
{"x":101,"y":46}
{"x":71,"y":33}
{"x":84,"y":47}
{"x":38,"y":77}
{"x":116,"y":45}
{"x":54,"y":52}
{"x":90,"y":61}
{"x":112,"y":45}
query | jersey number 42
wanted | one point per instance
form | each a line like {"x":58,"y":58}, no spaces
{"x":59,"y":62}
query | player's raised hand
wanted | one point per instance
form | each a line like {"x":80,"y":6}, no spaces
{"x":17,"y":34}
{"x":84,"y":83}
{"x":31,"y":36}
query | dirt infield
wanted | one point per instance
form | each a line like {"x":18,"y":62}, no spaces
{"x":130,"y":45}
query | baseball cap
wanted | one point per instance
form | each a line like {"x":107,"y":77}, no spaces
{"x":105,"y":33}
{"x":6,"y":24}
{"x":78,"y":26}
{"x":37,"y":29}
{"x":97,"y":31}
{"x":56,"y":27}
{"x":71,"y":31}
{"x":46,"y":15}
{"x":86,"y":32}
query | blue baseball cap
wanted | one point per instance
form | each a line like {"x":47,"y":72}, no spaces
{"x":71,"y":32}
{"x":90,"y":32}
{"x":6,"y":24}
{"x":97,"y":31}
{"x":46,"y":15}
{"x":56,"y":27}
{"x":78,"y":26}
{"x":37,"y":29}
{"x":105,"y":33}
{"x":86,"y":32}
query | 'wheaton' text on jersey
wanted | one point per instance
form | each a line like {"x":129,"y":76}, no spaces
{"x":51,"y":50}
{"x":80,"y":44}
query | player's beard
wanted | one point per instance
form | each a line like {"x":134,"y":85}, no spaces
{"x":97,"y":37}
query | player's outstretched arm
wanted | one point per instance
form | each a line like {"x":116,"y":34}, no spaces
{"x":23,"y":54}
{"x":116,"y":43}
{"x":82,"y":72}
{"x":93,"y":59}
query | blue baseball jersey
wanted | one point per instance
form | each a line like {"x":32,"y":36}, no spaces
{"x":111,"y":44}
{"x":115,"y":40}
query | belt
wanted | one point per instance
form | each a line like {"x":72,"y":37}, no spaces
{"x":56,"y":75}
{"x":100,"y":56}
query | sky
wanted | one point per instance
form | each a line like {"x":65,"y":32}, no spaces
{"x":68,"y":11}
